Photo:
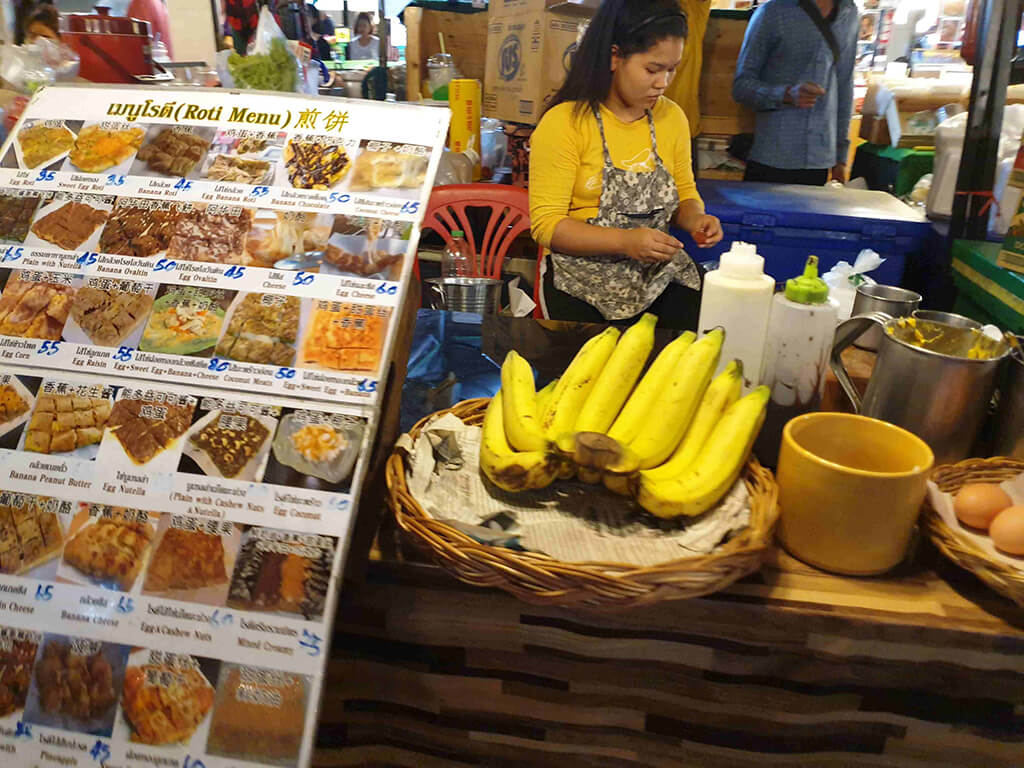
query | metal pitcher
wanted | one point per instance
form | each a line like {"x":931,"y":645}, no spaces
{"x":933,"y":379}
{"x":1009,"y":423}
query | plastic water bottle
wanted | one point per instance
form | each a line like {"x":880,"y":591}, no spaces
{"x":457,"y":260}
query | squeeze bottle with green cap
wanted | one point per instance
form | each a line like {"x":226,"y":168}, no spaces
{"x":800,"y":333}
{"x":738,"y":297}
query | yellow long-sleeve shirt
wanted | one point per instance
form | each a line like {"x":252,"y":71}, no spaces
{"x":566,"y":160}
{"x":684,"y":88}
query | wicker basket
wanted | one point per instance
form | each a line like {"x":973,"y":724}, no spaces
{"x":1004,"y":579}
{"x":542,"y":580}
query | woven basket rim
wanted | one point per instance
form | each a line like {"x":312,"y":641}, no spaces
{"x":958,"y":548}
{"x":538,"y":577}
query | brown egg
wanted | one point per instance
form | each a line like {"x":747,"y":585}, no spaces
{"x":977,"y":504}
{"x":1007,"y":531}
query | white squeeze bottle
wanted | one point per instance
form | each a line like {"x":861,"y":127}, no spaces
{"x":738,"y":297}
{"x":800,"y":334}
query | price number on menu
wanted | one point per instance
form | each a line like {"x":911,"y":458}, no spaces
{"x":123,"y":354}
{"x":217,"y":365}
{"x":234,"y":272}
{"x":303,"y":278}
{"x":44,"y":594}
{"x":367,"y":386}
{"x":100,"y":752}
{"x":311,"y":642}
{"x":87,"y":259}
{"x":410,"y":208}
{"x":336,"y":197}
{"x":192,"y":762}
{"x":125,"y":604}
{"x":183,"y":185}
{"x":115,"y":180}
{"x":387,"y":290}
{"x":46,"y":176}
{"x":219,"y":619}
{"x":259,"y":192}
{"x":165,"y":265}
{"x":22,"y":730}
{"x":285,"y":374}
{"x":13,"y":254}
{"x":48,"y":348}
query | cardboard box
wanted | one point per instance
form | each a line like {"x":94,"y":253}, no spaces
{"x":530,"y":44}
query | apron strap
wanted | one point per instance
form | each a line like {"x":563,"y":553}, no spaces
{"x":654,"y":141}
{"x":604,"y":141}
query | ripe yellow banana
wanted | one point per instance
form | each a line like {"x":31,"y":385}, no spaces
{"x":681,"y":393}
{"x":618,"y":377}
{"x":620,"y":484}
{"x":722,"y":392}
{"x":576,"y":384}
{"x":720,"y":462}
{"x":631,"y":418}
{"x":544,"y":397}
{"x":519,"y":405}
{"x":508,"y":469}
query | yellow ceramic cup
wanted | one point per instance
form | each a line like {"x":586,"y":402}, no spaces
{"x":850,"y":490}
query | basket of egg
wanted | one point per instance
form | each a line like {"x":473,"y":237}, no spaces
{"x":975,"y":516}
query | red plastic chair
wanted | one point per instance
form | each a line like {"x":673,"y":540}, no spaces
{"x":510,"y":217}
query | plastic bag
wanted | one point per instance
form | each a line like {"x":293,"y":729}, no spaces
{"x":844,"y":279}
{"x":39,"y":63}
{"x":269,"y":64}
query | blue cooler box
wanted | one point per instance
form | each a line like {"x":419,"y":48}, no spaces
{"x":788,"y":222}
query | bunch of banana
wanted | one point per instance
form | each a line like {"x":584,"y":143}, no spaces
{"x":507,"y":468}
{"x":716,"y":467}
{"x":676,"y":441}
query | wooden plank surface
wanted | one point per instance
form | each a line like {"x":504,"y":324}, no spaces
{"x":791,"y":667}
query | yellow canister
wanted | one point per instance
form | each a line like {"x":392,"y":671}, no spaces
{"x":464,"y":134}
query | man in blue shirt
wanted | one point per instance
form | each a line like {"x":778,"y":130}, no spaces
{"x":801,"y":90}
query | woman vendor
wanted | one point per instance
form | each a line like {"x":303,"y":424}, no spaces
{"x":610,"y":172}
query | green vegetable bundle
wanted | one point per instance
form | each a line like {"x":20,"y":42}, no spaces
{"x":274,"y":71}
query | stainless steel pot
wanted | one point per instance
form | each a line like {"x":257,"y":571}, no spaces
{"x":925,"y":379}
{"x":465,"y":294}
{"x":872,"y":297}
{"x":948,"y":318}
{"x":1009,"y":430}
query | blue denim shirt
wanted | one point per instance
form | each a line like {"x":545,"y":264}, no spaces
{"x":783,"y":48}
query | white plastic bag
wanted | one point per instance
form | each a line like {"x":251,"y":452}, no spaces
{"x":844,"y":279}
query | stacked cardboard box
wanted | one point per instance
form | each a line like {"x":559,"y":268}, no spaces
{"x":530,"y":44}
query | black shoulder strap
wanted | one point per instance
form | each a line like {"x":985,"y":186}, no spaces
{"x":811,"y":9}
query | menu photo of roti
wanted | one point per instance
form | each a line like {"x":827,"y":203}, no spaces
{"x":192,"y":560}
{"x":390,"y":169}
{"x":75,"y":685}
{"x":17,"y":399}
{"x":18,"y":648}
{"x":367,"y":247}
{"x":345,"y":336}
{"x":32,"y":534}
{"x":68,"y":419}
{"x":167,"y":700}
{"x":259,"y":715}
{"x":107,"y":546}
{"x":42,"y":144}
{"x":71,"y":222}
{"x":145,"y":430}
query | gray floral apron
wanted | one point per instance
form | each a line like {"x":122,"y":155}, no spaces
{"x":618,"y":286}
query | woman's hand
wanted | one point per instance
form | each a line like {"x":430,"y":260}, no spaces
{"x":706,"y":230}
{"x":649,"y":245}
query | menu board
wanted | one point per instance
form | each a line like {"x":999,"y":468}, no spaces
{"x":199,"y":292}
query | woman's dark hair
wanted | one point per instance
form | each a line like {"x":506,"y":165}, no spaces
{"x":633,"y":26}
{"x":364,"y":16}
{"x":44,"y":14}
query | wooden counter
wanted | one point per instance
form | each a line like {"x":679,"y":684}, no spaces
{"x":925,"y":668}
